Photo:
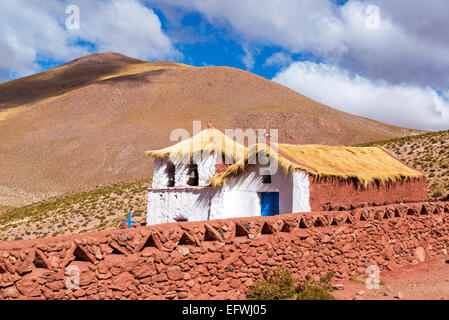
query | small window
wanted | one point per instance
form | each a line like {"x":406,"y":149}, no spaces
{"x":266,"y":178}
{"x":171,"y":174}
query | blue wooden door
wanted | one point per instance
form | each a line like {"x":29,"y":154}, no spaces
{"x":269,"y":203}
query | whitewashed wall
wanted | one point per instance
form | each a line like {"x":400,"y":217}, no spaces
{"x":301,"y":195}
{"x":193,"y":203}
{"x":160,"y":176}
{"x":217,"y":205}
{"x":239,"y":203}
{"x":240,"y":197}
{"x":206,"y":168}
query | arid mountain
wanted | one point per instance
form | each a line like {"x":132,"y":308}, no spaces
{"x":88,"y":122}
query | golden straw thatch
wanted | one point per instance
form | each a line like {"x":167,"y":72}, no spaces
{"x":365,"y":165}
{"x":209,"y":140}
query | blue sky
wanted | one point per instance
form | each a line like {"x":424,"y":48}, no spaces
{"x":386,"y":60}
{"x":216,"y":46}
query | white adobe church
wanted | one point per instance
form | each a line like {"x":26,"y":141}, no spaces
{"x":182,"y":190}
{"x":192,"y":180}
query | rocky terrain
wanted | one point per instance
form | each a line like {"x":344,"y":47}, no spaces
{"x":98,"y":209}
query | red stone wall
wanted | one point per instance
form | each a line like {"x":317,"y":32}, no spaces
{"x":221,"y":258}
{"x":344,"y":193}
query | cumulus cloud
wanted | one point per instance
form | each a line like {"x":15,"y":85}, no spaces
{"x":411,"y":44}
{"x":394,"y":71}
{"x":125,"y":26}
{"x":398,"y":104}
{"x":422,"y":19}
{"x":396,"y":52}
{"x":26,"y":31}
{"x":35,"y":30}
{"x":293,"y":24}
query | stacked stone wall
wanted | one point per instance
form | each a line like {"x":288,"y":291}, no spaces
{"x":220,"y":259}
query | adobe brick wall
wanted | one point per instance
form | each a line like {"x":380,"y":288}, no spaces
{"x":219,"y":259}
{"x":347,"y":193}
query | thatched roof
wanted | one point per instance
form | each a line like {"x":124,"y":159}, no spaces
{"x":365,"y":165}
{"x":209,"y":140}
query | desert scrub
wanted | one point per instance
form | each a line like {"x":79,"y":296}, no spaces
{"x":315,"y":293}
{"x":280,"y":285}
{"x":437,"y":194}
{"x":357,"y":279}
{"x":309,"y":289}
{"x":276,"y":285}
{"x":70,"y":213}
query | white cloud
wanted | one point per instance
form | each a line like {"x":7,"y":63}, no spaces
{"x":411,"y":45}
{"x":294,"y":25}
{"x":32,"y":30}
{"x":403,"y":105}
{"x":278,"y":59}
{"x":248,"y":59}
{"x":125,"y":26}
{"x":393,"y":52}
{"x":26,"y":30}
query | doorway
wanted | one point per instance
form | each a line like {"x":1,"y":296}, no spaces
{"x":269,"y":203}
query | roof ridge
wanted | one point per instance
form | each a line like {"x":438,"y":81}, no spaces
{"x":366,"y":165}
{"x":208,"y":139}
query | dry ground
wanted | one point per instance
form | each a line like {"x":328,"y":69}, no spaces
{"x":94,"y":210}
{"x":4,"y":209}
{"x":423,"y":281}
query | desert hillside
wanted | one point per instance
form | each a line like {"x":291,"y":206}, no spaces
{"x":94,"y":210}
{"x":87,"y":123}
{"x":427,"y":152}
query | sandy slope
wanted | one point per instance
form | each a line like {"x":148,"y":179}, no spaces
{"x":88,"y":122}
